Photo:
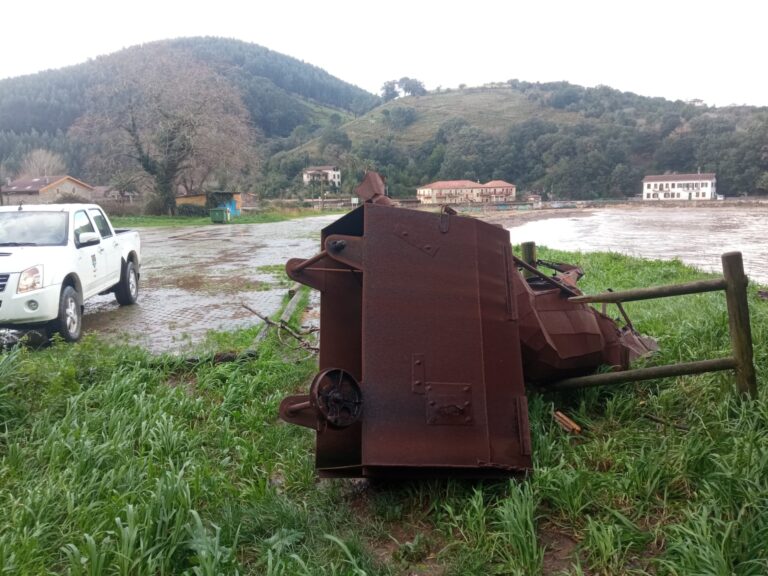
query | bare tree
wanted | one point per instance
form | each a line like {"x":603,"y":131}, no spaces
{"x":42,"y":162}
{"x":173,"y":118}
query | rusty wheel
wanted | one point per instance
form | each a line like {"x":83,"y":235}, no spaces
{"x":337,"y":396}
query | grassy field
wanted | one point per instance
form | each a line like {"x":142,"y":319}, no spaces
{"x":491,"y":109}
{"x":113,"y":461}
{"x":260,"y":218}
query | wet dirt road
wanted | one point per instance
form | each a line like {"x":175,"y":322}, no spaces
{"x":194,"y":280}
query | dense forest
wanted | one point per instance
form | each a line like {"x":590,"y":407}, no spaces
{"x":199,"y":114}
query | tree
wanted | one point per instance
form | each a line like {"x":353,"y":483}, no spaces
{"x":181,"y":124}
{"x":411,"y":86}
{"x":399,"y":117}
{"x":41,"y":162}
{"x":336,"y":137}
{"x":389,"y":90}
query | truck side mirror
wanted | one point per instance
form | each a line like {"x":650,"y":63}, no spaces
{"x":88,"y":239}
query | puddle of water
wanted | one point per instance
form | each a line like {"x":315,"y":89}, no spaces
{"x":697,"y":236}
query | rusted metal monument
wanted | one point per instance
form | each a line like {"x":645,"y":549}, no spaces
{"x":430,"y":329}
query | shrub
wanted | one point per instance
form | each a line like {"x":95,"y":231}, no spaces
{"x":191,"y":210}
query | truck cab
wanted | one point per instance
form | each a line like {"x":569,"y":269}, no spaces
{"x":54,"y":257}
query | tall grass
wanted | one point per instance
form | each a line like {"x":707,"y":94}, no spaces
{"x":114,"y":461}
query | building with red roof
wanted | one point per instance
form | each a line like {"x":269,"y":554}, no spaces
{"x":466,"y":192}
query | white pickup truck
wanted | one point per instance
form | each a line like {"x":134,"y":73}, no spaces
{"x":53,"y":257}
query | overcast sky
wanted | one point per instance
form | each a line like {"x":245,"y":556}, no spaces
{"x":678,"y":49}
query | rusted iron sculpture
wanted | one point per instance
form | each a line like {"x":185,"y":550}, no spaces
{"x":429,"y":333}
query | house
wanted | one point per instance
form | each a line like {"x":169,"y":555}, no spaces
{"x":686,"y":187}
{"x":45,"y":189}
{"x":466,"y":192}
{"x":329,"y":175}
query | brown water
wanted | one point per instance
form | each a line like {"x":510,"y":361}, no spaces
{"x":697,"y":236}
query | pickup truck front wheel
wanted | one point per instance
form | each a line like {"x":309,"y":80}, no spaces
{"x":127,"y":291}
{"x":70,"y":320}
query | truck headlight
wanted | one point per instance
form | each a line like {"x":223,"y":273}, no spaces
{"x":31,"y":279}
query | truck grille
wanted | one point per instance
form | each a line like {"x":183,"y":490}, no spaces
{"x":3,"y":281}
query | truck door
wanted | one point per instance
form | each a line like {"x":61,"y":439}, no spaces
{"x":110,"y":247}
{"x":90,"y":260}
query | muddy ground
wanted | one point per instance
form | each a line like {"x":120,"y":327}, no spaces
{"x":194,"y":280}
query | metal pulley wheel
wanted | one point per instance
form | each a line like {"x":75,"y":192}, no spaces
{"x":337,"y":397}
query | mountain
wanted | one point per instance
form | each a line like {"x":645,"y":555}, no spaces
{"x":212,"y":113}
{"x":277,"y":93}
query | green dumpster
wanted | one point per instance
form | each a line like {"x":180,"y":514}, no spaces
{"x":218,"y":215}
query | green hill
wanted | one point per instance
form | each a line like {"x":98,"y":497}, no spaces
{"x":268,"y":93}
{"x":211,"y":113}
{"x":557,"y":138}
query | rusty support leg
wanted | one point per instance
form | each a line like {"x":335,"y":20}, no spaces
{"x":529,"y":256}
{"x":738,"y":323}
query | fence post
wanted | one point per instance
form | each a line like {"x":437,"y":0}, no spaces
{"x":529,"y":256}
{"x":738,"y":323}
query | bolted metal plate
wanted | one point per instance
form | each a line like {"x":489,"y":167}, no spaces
{"x":449,"y":404}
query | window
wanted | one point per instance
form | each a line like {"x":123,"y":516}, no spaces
{"x":34,"y":228}
{"x":101,"y":223}
{"x":82,"y":224}
{"x":648,"y":186}
{"x":673,"y":184}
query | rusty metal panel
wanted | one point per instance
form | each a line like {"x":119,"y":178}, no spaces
{"x":440,"y":295}
{"x":419,"y":309}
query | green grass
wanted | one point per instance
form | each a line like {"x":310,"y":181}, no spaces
{"x":114,"y":461}
{"x":169,"y":221}
{"x":492,"y":109}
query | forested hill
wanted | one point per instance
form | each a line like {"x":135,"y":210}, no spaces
{"x":196,"y":114}
{"x":189,"y":115}
{"x":556,"y":138}
{"x":278,"y":90}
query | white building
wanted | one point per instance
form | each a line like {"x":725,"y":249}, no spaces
{"x":466,"y":192}
{"x":330,"y":175}
{"x":680,"y":187}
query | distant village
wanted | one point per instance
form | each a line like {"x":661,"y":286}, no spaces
{"x":497,"y":193}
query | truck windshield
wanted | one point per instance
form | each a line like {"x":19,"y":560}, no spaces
{"x":20,"y":228}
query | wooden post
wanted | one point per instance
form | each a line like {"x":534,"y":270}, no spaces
{"x":529,"y":256}
{"x":738,"y":323}
{"x":639,"y":374}
{"x":654,"y":292}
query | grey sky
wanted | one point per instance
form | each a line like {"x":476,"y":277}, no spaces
{"x":674,"y":48}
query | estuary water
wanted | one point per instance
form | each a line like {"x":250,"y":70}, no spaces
{"x":697,"y":236}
